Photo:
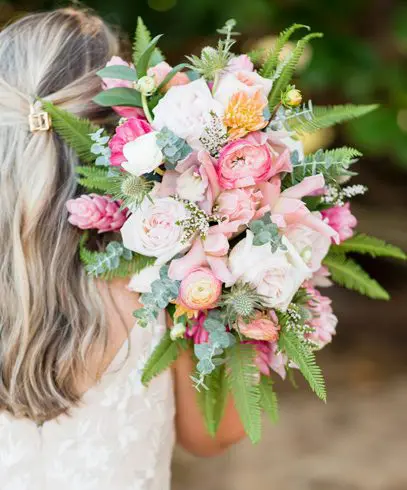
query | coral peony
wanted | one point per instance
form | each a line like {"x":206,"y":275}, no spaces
{"x":161,"y":70}
{"x":126,"y":133}
{"x":341,"y":220}
{"x":200,"y":289}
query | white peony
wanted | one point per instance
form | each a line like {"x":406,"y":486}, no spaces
{"x":185,"y":110}
{"x":152,"y":230}
{"x":143,"y":155}
{"x":191,"y":186}
{"x":277,"y":275}
{"x":141,"y":282}
{"x":241,"y":81}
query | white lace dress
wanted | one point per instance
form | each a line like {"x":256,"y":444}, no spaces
{"x":120,"y":438}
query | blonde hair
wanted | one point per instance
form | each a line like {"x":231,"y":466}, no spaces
{"x":51,"y":314}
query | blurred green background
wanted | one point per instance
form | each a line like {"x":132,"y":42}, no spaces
{"x":359,"y":440}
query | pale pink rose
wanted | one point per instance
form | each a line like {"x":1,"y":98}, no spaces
{"x":200,"y":289}
{"x":118,"y":83}
{"x":341,"y":220}
{"x":249,"y":82}
{"x":160,"y":71}
{"x":248,"y":161}
{"x":240,"y":63}
{"x":238,"y":204}
{"x":196,"y":330}
{"x":192,"y":184}
{"x":268,"y":357}
{"x":126,"y":133}
{"x":96,"y":212}
{"x":262,"y":327}
{"x":323,"y":320}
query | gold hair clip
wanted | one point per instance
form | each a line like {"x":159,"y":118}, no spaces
{"x":39,"y":120}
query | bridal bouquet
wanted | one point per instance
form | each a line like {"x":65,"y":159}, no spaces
{"x":224,"y":222}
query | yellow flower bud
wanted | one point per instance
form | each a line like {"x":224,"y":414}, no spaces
{"x":292,"y":98}
{"x":146,"y":85}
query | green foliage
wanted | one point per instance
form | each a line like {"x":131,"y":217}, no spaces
{"x":326,"y":116}
{"x":172,"y":146}
{"x":142,"y":39}
{"x":94,"y":178}
{"x":265,"y":231}
{"x":288,"y":69}
{"x":304,"y":358}
{"x":161,"y":359}
{"x":73,"y":130}
{"x":330,"y":163}
{"x":213,"y":399}
{"x":118,"y":72}
{"x":364,"y":244}
{"x":145,"y":58}
{"x":242,"y":378}
{"x":268,"y":398}
{"x":257,"y":56}
{"x":349,"y":274}
{"x":273,"y":57}
{"x":118,"y":96}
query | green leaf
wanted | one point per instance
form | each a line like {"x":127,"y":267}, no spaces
{"x":288,"y":70}
{"x":213,"y":399}
{"x":364,"y":244}
{"x":95,"y":178}
{"x":171,"y":75}
{"x":142,"y":38}
{"x":161,"y":359}
{"x":127,"y":268}
{"x":268,"y":398}
{"x":73,"y":130}
{"x":273,"y":57}
{"x":305,"y":360}
{"x":242,"y":374}
{"x":144,"y":62}
{"x":326,"y":116}
{"x":118,"y":71}
{"x":349,"y":274}
{"x":119,"y":96}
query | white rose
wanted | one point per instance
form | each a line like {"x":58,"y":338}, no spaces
{"x":310,"y":244}
{"x":185,"y":110}
{"x":277,"y":275}
{"x":152,"y":230}
{"x":241,"y":81}
{"x":191,"y":186}
{"x":143,"y":155}
{"x":141,"y":282}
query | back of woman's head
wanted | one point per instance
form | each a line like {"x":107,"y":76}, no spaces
{"x":50,"y":313}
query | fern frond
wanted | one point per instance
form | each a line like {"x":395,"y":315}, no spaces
{"x":242,"y":374}
{"x":326,"y":116}
{"x":349,"y":274}
{"x":364,"y":244}
{"x":161,"y":359}
{"x":94,"y":178}
{"x":268,"y":398}
{"x":142,"y":39}
{"x":288,"y":70}
{"x":73,"y":130}
{"x":305,"y":360}
{"x":127,"y":268}
{"x":257,"y":56}
{"x":273,"y":57}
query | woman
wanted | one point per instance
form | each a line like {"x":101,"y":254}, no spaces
{"x":73,"y":411}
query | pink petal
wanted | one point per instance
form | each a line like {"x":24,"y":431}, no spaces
{"x":180,"y":268}
{"x":220,"y":269}
{"x":306,"y":187}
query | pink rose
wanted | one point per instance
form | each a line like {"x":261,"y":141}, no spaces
{"x":160,"y":71}
{"x":95,"y":212}
{"x":126,"y":133}
{"x":341,"y":220}
{"x":196,"y":331}
{"x":323,"y":321}
{"x":200,"y":289}
{"x":238,"y":204}
{"x":248,"y":161}
{"x":263,"y":327}
{"x":239,"y":63}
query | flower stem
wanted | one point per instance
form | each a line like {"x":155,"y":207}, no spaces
{"x":146,"y":108}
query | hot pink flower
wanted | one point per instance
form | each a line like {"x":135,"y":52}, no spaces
{"x":95,"y":212}
{"x":262,"y":327}
{"x":268,"y":357}
{"x":239,"y":63}
{"x":239,"y":204}
{"x":125,"y":133}
{"x":341,"y":220}
{"x":323,"y":320}
{"x":161,"y":70}
{"x":248,"y":161}
{"x":197,"y":331}
{"x":200,"y":289}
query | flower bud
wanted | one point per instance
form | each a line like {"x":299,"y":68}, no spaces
{"x":146,"y":85}
{"x":178,"y":331}
{"x":292,"y":98}
{"x":208,"y":52}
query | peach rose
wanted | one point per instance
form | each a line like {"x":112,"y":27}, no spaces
{"x":263,"y":327}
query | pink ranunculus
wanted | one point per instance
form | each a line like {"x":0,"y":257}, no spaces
{"x":96,"y":212}
{"x":239,"y":63}
{"x":323,"y":320}
{"x":161,"y":70}
{"x":238,"y":204}
{"x":200,"y":289}
{"x":341,"y":220}
{"x":262,"y":327}
{"x":125,"y":133}
{"x":248,"y":161}
{"x":196,"y":330}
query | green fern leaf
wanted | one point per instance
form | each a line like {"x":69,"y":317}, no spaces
{"x":73,"y":130}
{"x":127,"y":268}
{"x":299,"y":353}
{"x":268,"y":398}
{"x":257,"y":56}
{"x":95,"y":178}
{"x":349,"y":274}
{"x":161,"y":359}
{"x":364,"y":244}
{"x":273,"y":57}
{"x":142,"y":39}
{"x":242,"y":374}
{"x":213,"y":400}
{"x":326,"y":116}
{"x":288,"y":70}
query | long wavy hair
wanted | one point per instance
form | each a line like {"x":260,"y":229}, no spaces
{"x":51,"y":315}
